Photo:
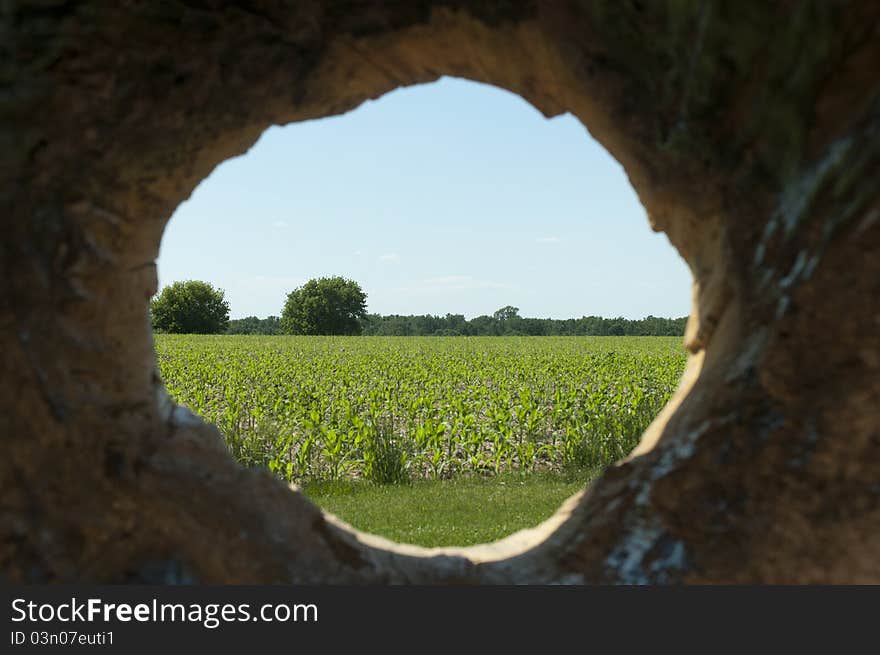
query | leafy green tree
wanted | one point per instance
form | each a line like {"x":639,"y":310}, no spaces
{"x":506,"y":313}
{"x":507,"y":321}
{"x":254,"y":325}
{"x":483,"y":326}
{"x":190,"y":307}
{"x":327,"y":305}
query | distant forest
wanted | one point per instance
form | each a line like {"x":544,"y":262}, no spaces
{"x":505,"y":322}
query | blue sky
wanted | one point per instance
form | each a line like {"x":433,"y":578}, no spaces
{"x":451,"y":197}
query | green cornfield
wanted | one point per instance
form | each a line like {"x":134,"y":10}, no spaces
{"x":393,"y":409}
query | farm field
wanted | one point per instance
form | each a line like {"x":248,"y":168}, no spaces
{"x":413,"y":438}
{"x":397,"y":409}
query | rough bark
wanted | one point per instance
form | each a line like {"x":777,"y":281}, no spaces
{"x":751,"y":132}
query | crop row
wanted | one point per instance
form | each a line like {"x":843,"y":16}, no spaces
{"x":396,"y":408}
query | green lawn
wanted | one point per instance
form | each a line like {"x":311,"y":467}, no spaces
{"x":456,"y":512}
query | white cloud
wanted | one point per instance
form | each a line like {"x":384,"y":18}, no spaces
{"x":452,"y":283}
{"x":259,"y":295}
{"x":262,"y":281}
{"x":280,"y":224}
{"x":389,"y":257}
{"x":358,"y":253}
{"x":548,"y":240}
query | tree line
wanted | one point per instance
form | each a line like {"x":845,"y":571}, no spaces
{"x":337,"y":306}
{"x":507,"y":322}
